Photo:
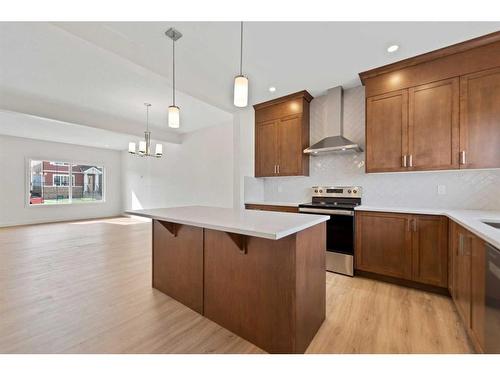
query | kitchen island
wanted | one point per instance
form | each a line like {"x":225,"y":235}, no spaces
{"x":259,"y":274}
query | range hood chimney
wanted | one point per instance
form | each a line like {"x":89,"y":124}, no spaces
{"x":335,"y":142}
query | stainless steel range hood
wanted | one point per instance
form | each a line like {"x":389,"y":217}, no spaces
{"x":335,"y":142}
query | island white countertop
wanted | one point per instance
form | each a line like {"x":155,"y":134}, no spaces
{"x":265,"y":224}
{"x":472,"y":220}
{"x":270,"y":203}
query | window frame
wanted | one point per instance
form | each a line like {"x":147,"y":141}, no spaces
{"x":70,"y":186}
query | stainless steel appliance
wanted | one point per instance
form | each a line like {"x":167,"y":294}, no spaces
{"x":492,"y":316}
{"x":338,"y":202}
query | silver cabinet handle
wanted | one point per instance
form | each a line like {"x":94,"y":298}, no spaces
{"x":404,"y":161}
{"x":274,"y":168}
{"x":278,"y":169}
{"x":410,"y":158}
{"x":463,"y":159}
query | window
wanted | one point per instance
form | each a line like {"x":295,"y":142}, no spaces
{"x":62,"y":180}
{"x":64,"y":183}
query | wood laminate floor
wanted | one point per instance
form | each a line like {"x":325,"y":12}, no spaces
{"x":85,"y":287}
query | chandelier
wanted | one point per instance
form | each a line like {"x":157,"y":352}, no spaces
{"x":145,"y":146}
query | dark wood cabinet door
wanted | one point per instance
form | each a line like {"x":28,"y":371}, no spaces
{"x":433,"y":124}
{"x":478,"y":292}
{"x":462,"y":273}
{"x":178,"y":262}
{"x":386,"y":131}
{"x":383,"y":244}
{"x":266,"y":148}
{"x":290,"y":146}
{"x":430,"y":250}
{"x":480,"y":119}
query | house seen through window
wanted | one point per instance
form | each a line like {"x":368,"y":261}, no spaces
{"x":53,"y":182}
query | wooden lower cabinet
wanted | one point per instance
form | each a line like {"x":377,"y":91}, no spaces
{"x":268,"y":207}
{"x":478,"y":292}
{"x":468,"y":281}
{"x":383,"y":244}
{"x":404,"y":246}
{"x":178,"y":262}
{"x":430,"y":250}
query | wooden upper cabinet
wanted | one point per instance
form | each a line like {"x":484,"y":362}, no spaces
{"x":453,"y":109}
{"x":281,"y":135}
{"x":386,"y":131}
{"x":433,"y":138}
{"x":266,"y":148}
{"x":290,"y":148}
{"x":480,"y":119}
{"x":383,"y":244}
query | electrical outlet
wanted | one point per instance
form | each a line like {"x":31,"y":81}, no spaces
{"x":441,"y":189}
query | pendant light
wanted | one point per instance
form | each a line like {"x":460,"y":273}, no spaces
{"x":173,"y":110}
{"x":240,"y":81}
{"x":145,"y":146}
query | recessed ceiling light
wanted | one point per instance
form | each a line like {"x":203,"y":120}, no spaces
{"x":392,"y":48}
{"x":272,"y":89}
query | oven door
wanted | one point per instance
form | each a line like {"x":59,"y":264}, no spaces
{"x":339,"y":238}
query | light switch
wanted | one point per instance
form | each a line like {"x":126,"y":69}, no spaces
{"x":441,"y":189}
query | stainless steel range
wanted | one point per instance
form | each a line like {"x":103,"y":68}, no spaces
{"x":338,"y":202}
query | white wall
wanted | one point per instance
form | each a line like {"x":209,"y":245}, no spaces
{"x":197,"y":172}
{"x":468,"y":189}
{"x":14,"y":154}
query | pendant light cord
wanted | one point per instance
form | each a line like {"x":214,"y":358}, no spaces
{"x":241,"y":48}
{"x":173,"y":70}
{"x":147,"y":116}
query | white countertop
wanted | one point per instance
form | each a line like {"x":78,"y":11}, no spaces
{"x":270,"y":203}
{"x":469,"y":219}
{"x":265,"y":224}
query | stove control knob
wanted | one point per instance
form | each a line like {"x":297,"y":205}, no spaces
{"x":316,"y":190}
{"x":321,"y":191}
{"x":354,"y":191}
{"x":349,"y":191}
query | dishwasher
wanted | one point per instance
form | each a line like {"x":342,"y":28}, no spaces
{"x":492,"y":316}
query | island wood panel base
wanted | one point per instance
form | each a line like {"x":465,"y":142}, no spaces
{"x":272,"y":293}
{"x":178,"y":262}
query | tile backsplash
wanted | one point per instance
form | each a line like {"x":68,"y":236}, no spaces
{"x":468,"y":189}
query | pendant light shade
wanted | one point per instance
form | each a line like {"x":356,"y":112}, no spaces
{"x":131,"y":147}
{"x":240,"y":91}
{"x":240,"y":81}
{"x":159,"y":150}
{"x":173,"y":117}
{"x":174,"y":120}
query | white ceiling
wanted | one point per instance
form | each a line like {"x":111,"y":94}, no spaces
{"x":100,"y":73}
{"x":28,"y":126}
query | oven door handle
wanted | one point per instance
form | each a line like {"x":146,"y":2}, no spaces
{"x":326,"y":212}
